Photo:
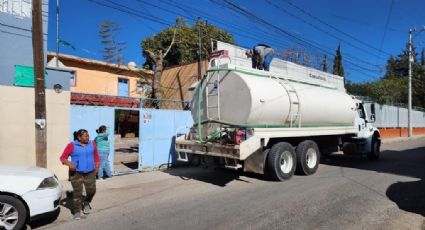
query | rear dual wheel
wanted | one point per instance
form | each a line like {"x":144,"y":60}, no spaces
{"x":281,"y":161}
{"x":308,"y":157}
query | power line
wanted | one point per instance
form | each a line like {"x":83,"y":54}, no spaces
{"x":386,"y":25}
{"x":333,"y":27}
{"x":326,"y":32}
{"x":225,"y":6}
{"x":231,"y":27}
{"x":124,"y":9}
{"x":133,"y":12}
{"x":295,"y":38}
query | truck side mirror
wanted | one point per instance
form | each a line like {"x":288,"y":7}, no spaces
{"x":372,"y":112}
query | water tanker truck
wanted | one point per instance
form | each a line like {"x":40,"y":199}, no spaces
{"x":274,"y":123}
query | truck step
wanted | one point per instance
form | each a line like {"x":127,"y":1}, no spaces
{"x":232,"y":164}
{"x":182,"y":156}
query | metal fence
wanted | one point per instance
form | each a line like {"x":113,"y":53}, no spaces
{"x":390,"y":116}
{"x":150,"y":103}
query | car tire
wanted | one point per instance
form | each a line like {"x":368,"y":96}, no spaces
{"x":12,"y":207}
{"x":308,"y":158}
{"x":375,"y":149}
{"x":281,"y":161}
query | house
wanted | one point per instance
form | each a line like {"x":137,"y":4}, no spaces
{"x":102,"y":78}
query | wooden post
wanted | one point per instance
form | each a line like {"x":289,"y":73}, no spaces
{"x":40,"y":98}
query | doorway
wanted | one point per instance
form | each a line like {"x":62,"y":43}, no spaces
{"x":126,"y":150}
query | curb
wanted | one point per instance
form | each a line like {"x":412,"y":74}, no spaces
{"x":401,"y":139}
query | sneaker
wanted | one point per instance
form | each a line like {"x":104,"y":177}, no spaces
{"x":77,"y":216}
{"x":86,"y":208}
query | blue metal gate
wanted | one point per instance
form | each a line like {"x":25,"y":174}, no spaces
{"x":90,"y":118}
{"x":158,"y":130}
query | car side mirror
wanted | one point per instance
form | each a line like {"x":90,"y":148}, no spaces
{"x":372,"y":112}
{"x":372,"y":118}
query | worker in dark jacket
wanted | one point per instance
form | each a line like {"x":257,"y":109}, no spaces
{"x":261,"y":56}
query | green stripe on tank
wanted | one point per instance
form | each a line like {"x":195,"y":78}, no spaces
{"x":339,"y":125}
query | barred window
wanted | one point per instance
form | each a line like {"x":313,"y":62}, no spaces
{"x":18,"y":8}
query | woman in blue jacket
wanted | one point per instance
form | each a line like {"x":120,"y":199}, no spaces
{"x":102,"y":143}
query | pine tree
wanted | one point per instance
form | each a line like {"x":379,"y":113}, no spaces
{"x":423,"y":57}
{"x":325,"y":63}
{"x":108,"y":31}
{"x":338,"y":69}
{"x":390,"y":68}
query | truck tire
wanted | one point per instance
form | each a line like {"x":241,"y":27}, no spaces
{"x":281,"y":161}
{"x":308,"y":157}
{"x":13,"y":214}
{"x":375,"y":150}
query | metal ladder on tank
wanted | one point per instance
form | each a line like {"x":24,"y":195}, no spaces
{"x":294,"y":102}
{"x":213,"y":83}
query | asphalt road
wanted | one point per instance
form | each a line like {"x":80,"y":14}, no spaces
{"x":345,"y":193}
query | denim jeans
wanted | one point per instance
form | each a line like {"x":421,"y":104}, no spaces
{"x":104,"y":164}
{"x":267,"y":60}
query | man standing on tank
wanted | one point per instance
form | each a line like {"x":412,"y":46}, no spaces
{"x":261,"y":56}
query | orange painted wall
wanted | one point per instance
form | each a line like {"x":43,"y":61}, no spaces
{"x":399,"y":132}
{"x":101,"y":82}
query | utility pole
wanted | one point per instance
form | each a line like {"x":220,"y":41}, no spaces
{"x":39,"y":96}
{"x":57,"y":33}
{"x":200,"y":49}
{"x":409,"y":99}
{"x":409,"y":110}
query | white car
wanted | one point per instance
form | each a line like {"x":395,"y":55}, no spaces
{"x":26,"y":192}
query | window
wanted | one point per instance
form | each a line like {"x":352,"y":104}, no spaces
{"x":20,"y":8}
{"x":73,"y":79}
{"x":360,"y":110}
{"x":123,"y":90}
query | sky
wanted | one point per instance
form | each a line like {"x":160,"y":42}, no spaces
{"x":368,"y":31}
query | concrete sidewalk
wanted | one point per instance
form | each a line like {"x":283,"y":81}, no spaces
{"x":401,"y":139}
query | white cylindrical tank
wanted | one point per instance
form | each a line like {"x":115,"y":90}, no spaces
{"x":256,"y":100}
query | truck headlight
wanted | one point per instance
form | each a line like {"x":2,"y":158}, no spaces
{"x":49,"y":182}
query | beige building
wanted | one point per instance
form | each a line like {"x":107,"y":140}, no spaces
{"x":17,"y":139}
{"x":97,"y":77}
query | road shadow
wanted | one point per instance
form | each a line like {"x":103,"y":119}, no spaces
{"x":409,"y":196}
{"x":67,"y":201}
{"x":216,"y":176}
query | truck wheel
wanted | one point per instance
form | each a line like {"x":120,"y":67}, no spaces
{"x":308,"y":157}
{"x":13,"y":214}
{"x":375,"y":150}
{"x":281,"y":161}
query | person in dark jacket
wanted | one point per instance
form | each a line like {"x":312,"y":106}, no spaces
{"x":261,"y":56}
{"x":83,"y":166}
